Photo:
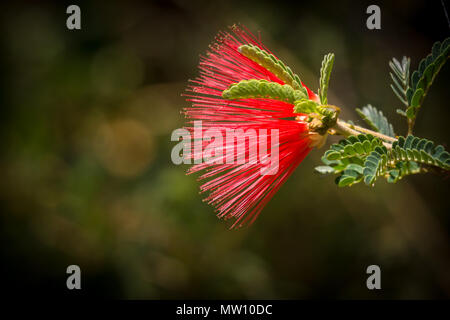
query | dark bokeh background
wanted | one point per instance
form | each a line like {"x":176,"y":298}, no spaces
{"x":87,"y":178}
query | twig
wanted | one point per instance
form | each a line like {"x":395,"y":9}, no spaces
{"x":347,"y":129}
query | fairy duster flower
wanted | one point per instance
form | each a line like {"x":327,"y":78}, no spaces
{"x":245,"y":91}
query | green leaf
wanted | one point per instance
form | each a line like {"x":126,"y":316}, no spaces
{"x":360,"y":145}
{"x":355,"y":167}
{"x":410,"y":112}
{"x":376,"y":120}
{"x":423,"y":77}
{"x":274,"y":65}
{"x":262,"y":89}
{"x":407,"y":155}
{"x":417,"y":96}
{"x":401,"y":112}
{"x":405,"y":158}
{"x":374,"y":165}
{"x":394,"y":174}
{"x":400,"y":77}
{"x":421,"y":151}
{"x":305,"y":106}
{"x":324,"y":169}
{"x":325,"y":72}
{"x":345,"y":180}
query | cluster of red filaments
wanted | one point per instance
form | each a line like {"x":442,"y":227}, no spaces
{"x":239,"y":190}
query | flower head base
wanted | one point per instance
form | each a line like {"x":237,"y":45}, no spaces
{"x":243,"y":86}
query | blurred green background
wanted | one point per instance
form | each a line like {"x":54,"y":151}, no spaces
{"x":87,"y":177}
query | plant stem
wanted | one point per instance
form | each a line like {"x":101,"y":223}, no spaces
{"x":344,"y":129}
{"x":374,"y":133}
{"x":410,"y":126}
{"x":347,"y":129}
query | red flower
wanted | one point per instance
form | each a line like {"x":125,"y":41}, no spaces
{"x":236,"y":190}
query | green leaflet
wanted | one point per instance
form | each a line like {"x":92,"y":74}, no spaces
{"x":273,"y":64}
{"x":360,"y":145}
{"x":402,"y":168}
{"x":376,"y":120}
{"x":305,"y":106}
{"x":375,"y":165}
{"x":324,"y":169}
{"x":423,"y":77}
{"x":262,"y":89}
{"x":348,"y":178}
{"x":350,"y":170}
{"x":325,"y":72}
{"x":400,"y":77}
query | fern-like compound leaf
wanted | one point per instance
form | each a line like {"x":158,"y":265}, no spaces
{"x":273,"y":64}
{"x":422,"y":151}
{"x":365,"y":158}
{"x":423,"y":77}
{"x":262,"y":89}
{"x":400,"y":77}
{"x":376,"y":120}
{"x":325,"y":72}
{"x":375,"y":165}
{"x":405,"y":157}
